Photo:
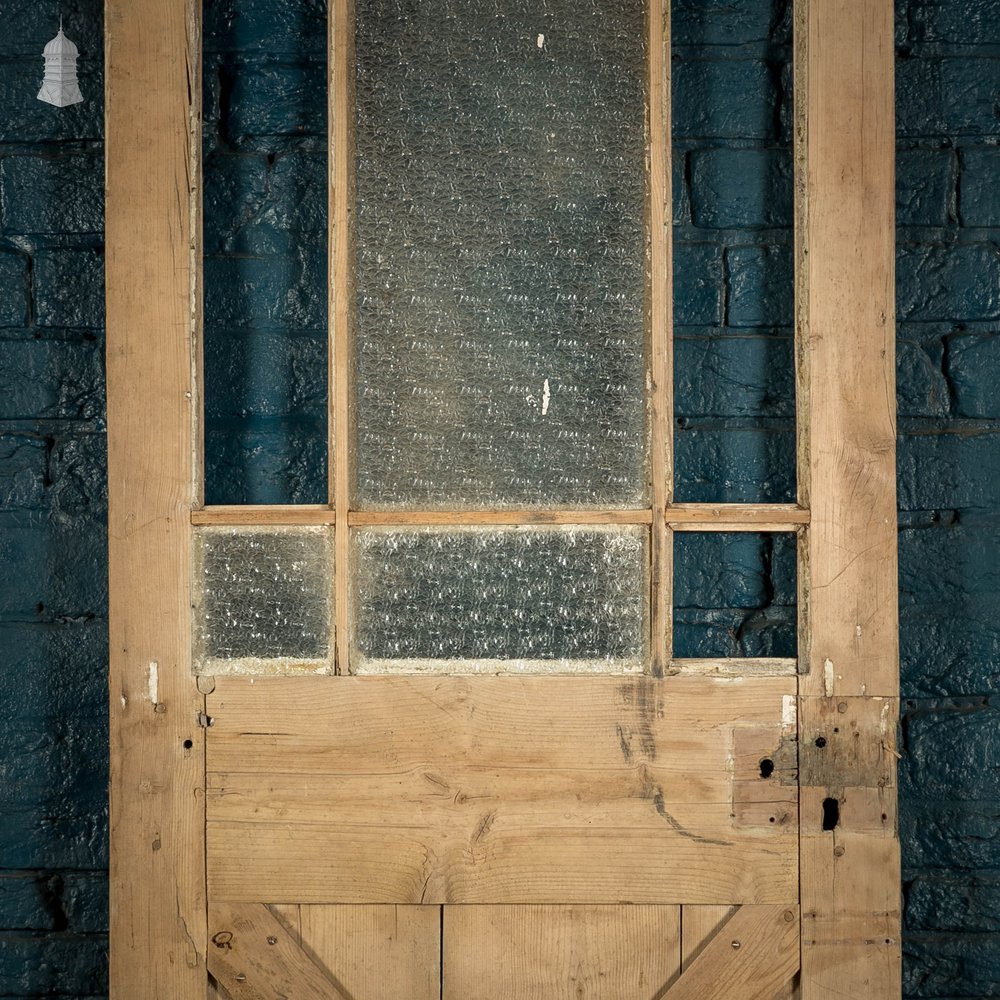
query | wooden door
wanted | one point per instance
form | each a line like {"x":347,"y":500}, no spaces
{"x":340,"y":806}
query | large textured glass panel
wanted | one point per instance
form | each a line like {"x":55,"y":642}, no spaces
{"x":500,"y":253}
{"x":263,"y":600}
{"x":734,"y":594}
{"x":499,"y":599}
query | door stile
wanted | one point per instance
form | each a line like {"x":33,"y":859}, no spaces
{"x":157,"y":802}
{"x":848,"y":706}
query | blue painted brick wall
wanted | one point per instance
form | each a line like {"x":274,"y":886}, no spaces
{"x":265,"y":313}
{"x":53,"y":600}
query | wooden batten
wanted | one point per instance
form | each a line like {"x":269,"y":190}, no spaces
{"x":157,"y":862}
{"x":846,"y":330}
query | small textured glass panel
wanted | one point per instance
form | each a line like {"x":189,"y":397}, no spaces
{"x":734,"y":594}
{"x":263,"y":600}
{"x":500,"y":253}
{"x":493,"y":599}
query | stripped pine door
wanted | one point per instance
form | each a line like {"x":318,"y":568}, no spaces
{"x":452,"y":754}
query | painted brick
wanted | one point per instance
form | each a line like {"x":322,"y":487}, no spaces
{"x":697,"y":284}
{"x":949,"y":561}
{"x":52,"y":566}
{"x":760,"y":286}
{"x":40,"y":378}
{"x":951,"y":966}
{"x":728,"y":22}
{"x":922,"y":390}
{"x":949,"y":834}
{"x":741,"y":188}
{"x":950,"y":650}
{"x":764,"y":632}
{"x":734,"y":376}
{"x":969,"y":903}
{"x":293,"y":27}
{"x":52,"y":194}
{"x":267,"y":374}
{"x":735,"y":465}
{"x":78,"y":472}
{"x":733,"y":570}
{"x":679,"y":189}
{"x":710,"y":99}
{"x":25,"y":119}
{"x":955,"y":282}
{"x":954,"y":96}
{"x":261,"y":209}
{"x":27,"y":27}
{"x":952,"y":753}
{"x":55,"y":669}
{"x":14,"y":282}
{"x":926,"y":185}
{"x":54,"y":901}
{"x":973,"y":361}
{"x":23,"y":471}
{"x":37,"y":965}
{"x":944,"y":471}
{"x":261,"y":461}
{"x":971,"y":22}
{"x":284,"y":292}
{"x":69,"y":288}
{"x":979,"y":205}
{"x":270,"y":101}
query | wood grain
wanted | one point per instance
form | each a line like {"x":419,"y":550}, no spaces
{"x":753,"y":956}
{"x":493,"y":789}
{"x":661,"y":327}
{"x":373,"y":952}
{"x":157,"y":880}
{"x":701,"y":924}
{"x":847,"y":415}
{"x":340,"y":96}
{"x":736,"y":517}
{"x":278,"y":514}
{"x":559,"y":952}
{"x":252,"y":956}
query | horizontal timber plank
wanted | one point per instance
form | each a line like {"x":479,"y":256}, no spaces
{"x":500,"y":789}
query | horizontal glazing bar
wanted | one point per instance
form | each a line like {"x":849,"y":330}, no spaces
{"x":283,"y":514}
{"x":736,"y":517}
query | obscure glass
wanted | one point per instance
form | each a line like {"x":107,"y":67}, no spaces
{"x":263,"y":600}
{"x":500,"y":253}
{"x":500,"y":599}
{"x":734,"y":594}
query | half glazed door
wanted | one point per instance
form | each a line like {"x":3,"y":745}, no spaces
{"x":431,"y":738}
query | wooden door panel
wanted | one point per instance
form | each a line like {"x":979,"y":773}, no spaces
{"x":701,"y":924}
{"x":559,"y":952}
{"x":502,"y":790}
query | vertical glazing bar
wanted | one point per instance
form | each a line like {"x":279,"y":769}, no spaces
{"x":341,"y":104}
{"x":661,"y":330}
